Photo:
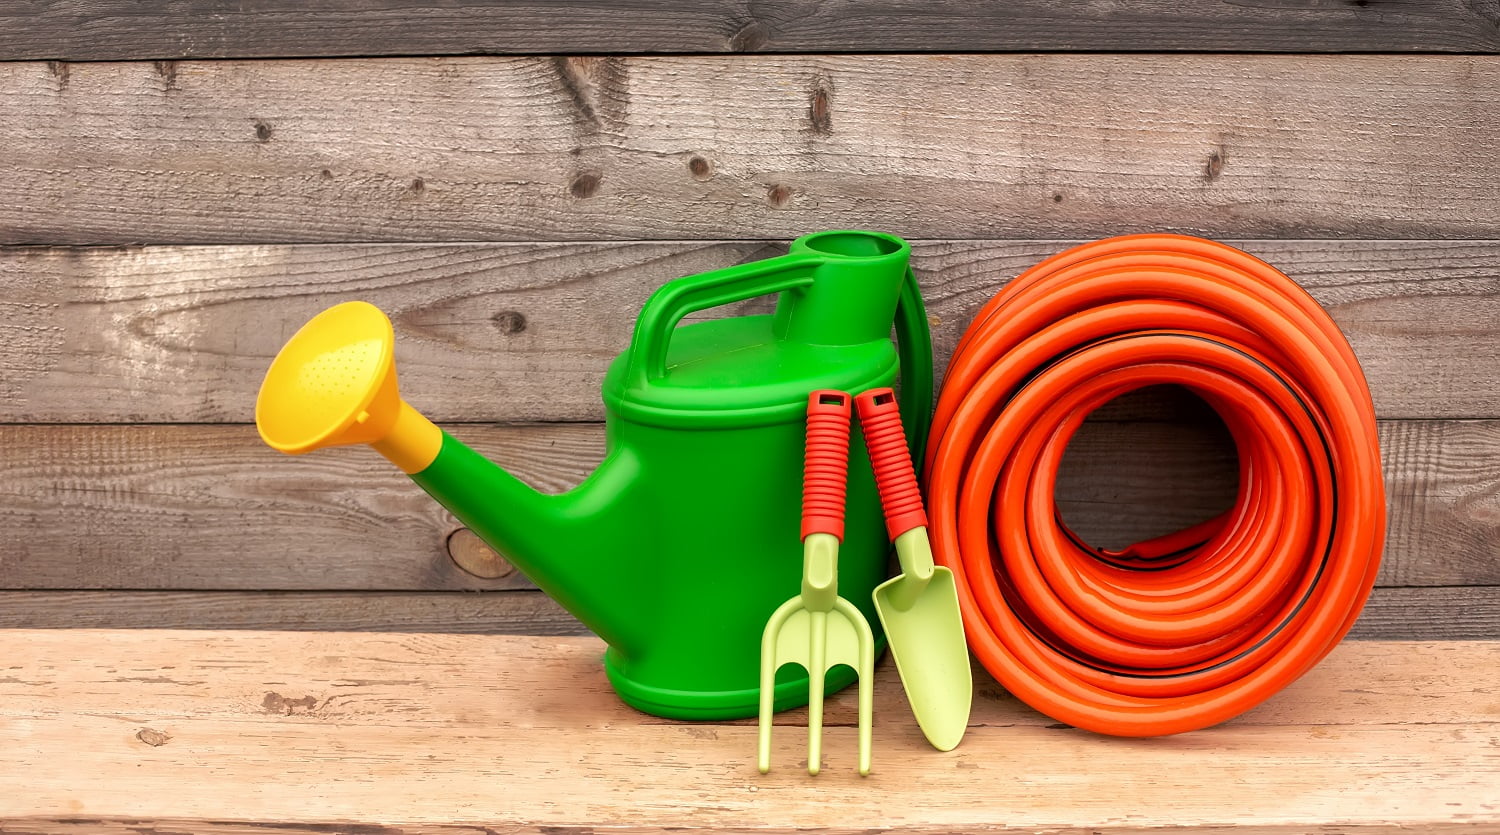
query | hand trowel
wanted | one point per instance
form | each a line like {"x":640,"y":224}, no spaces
{"x":918,"y":607}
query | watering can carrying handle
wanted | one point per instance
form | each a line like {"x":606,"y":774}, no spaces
{"x":653,"y":330}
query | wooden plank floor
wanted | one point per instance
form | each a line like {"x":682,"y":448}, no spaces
{"x":337,"y":732}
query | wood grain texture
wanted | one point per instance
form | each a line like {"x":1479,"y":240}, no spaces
{"x":1434,"y":613}
{"x":515,"y":612}
{"x":515,"y":734}
{"x":1399,"y":682}
{"x":134,"y":826}
{"x":210,"y":508}
{"x":1444,"y":613}
{"x":153,"y":506}
{"x":92,"y":30}
{"x":502,"y":332}
{"x":969,"y":146}
{"x":1123,"y":483}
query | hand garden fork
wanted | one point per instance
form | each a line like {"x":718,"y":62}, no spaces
{"x":818,"y":629}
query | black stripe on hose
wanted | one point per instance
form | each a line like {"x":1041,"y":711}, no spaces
{"x":1328,"y":546}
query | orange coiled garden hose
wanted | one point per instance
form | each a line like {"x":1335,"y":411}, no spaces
{"x":1190,"y":629}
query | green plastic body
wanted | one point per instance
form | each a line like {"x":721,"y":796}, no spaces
{"x":685,"y":539}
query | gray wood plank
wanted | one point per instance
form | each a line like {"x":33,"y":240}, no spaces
{"x":1125,"y":482}
{"x":1465,"y":613}
{"x":209,"y":508}
{"x":520,"y":612}
{"x":91,"y":30}
{"x":967,"y":146}
{"x":501,"y":332}
{"x":1443,"y":613}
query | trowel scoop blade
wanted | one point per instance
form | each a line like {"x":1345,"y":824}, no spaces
{"x":927,"y":641}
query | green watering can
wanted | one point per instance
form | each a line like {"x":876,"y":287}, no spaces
{"x":682,"y":542}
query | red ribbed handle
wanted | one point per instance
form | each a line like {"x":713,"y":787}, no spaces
{"x":880,"y":419}
{"x":825,"y":466}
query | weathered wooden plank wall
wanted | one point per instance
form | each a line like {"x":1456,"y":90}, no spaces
{"x":746,"y":147}
{"x":168,"y":222}
{"x":500,"y":332}
{"x":222,"y":29}
{"x":92,"y":30}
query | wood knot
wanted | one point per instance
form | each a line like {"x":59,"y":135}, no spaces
{"x":509,"y":322}
{"x":778,"y":196}
{"x":818,"y":111}
{"x":471,"y":554}
{"x":585,"y":185}
{"x":168,"y":72}
{"x":596,"y":88}
{"x":750,"y":37}
{"x":277,"y":703}
{"x":1215,"y":165}
{"x":59,"y":70}
{"x":153,"y":737}
{"x":700,"y":168}
{"x":262,"y":131}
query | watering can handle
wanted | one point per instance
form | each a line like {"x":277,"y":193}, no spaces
{"x":667,"y":306}
{"x":914,"y":351}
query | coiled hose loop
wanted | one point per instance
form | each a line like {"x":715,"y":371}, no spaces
{"x":1193,"y":628}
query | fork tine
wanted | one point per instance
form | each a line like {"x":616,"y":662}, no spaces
{"x":768,"y":662}
{"x":866,"y":699}
{"x":816,"y":670}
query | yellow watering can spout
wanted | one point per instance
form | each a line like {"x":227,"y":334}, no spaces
{"x":334,"y":384}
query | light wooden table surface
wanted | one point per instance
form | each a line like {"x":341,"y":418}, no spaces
{"x":116,"y":731}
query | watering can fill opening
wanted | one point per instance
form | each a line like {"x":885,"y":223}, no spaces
{"x":681,"y":543}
